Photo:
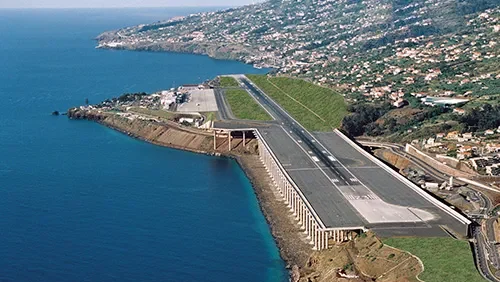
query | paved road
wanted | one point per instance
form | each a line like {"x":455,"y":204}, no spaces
{"x":224,"y":109}
{"x":480,"y":251}
{"x":491,"y":242}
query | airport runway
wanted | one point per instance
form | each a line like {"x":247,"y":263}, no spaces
{"x":344,"y":187}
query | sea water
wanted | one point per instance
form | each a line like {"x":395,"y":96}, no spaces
{"x":81,"y":202}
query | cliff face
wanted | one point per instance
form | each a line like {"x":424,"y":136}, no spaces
{"x":168,"y":135}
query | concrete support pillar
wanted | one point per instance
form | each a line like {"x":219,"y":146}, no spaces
{"x":297,"y":209}
{"x":304,"y":216}
{"x":229,"y":139}
{"x":288,"y":196}
{"x":312,"y":232}
{"x":306,"y":224}
{"x":297,"y":206}
{"x":285,"y":182}
{"x":316,"y":237}
{"x":244,"y":144}
{"x":301,"y":215}
{"x":294,"y":203}
{"x":327,"y":238}
{"x":320,"y":240}
{"x":323,"y":238}
{"x":301,"y":210}
{"x":278,"y":187}
{"x":309,"y":228}
{"x":215,"y":139}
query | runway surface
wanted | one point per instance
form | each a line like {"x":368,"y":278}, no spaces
{"x":345,"y":188}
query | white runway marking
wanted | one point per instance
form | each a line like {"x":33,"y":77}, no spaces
{"x":303,"y":169}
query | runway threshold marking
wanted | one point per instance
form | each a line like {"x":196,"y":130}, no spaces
{"x":332,"y":158}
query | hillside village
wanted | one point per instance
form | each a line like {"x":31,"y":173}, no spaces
{"x":411,"y":70}
{"x":319,"y":42}
{"x":479,"y":152}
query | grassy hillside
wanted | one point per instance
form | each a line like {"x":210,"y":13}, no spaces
{"x":444,"y":259}
{"x":227,"y":81}
{"x":245,"y":107}
{"x":315,"y":107}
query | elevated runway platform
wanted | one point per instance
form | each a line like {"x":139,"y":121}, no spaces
{"x":335,"y":189}
{"x":328,"y":202}
{"x":371,"y":197}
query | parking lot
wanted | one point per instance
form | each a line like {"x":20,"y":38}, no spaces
{"x":202,"y":100}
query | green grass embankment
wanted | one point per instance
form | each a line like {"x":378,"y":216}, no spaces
{"x":315,"y":107}
{"x":444,"y":259}
{"x":227,"y":81}
{"x":245,"y":107}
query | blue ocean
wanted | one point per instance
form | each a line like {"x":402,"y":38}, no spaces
{"x":81,"y":202}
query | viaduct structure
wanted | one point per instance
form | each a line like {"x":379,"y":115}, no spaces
{"x":319,"y":235}
{"x":308,"y":215}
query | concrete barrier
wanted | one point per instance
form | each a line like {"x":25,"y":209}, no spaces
{"x":428,"y":159}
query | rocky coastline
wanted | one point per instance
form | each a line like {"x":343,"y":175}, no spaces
{"x":352,"y":261}
{"x":215,"y":51}
{"x":223,"y":51}
{"x":289,"y":239}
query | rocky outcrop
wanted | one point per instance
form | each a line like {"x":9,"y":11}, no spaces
{"x":77,"y":113}
{"x":393,"y":159}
